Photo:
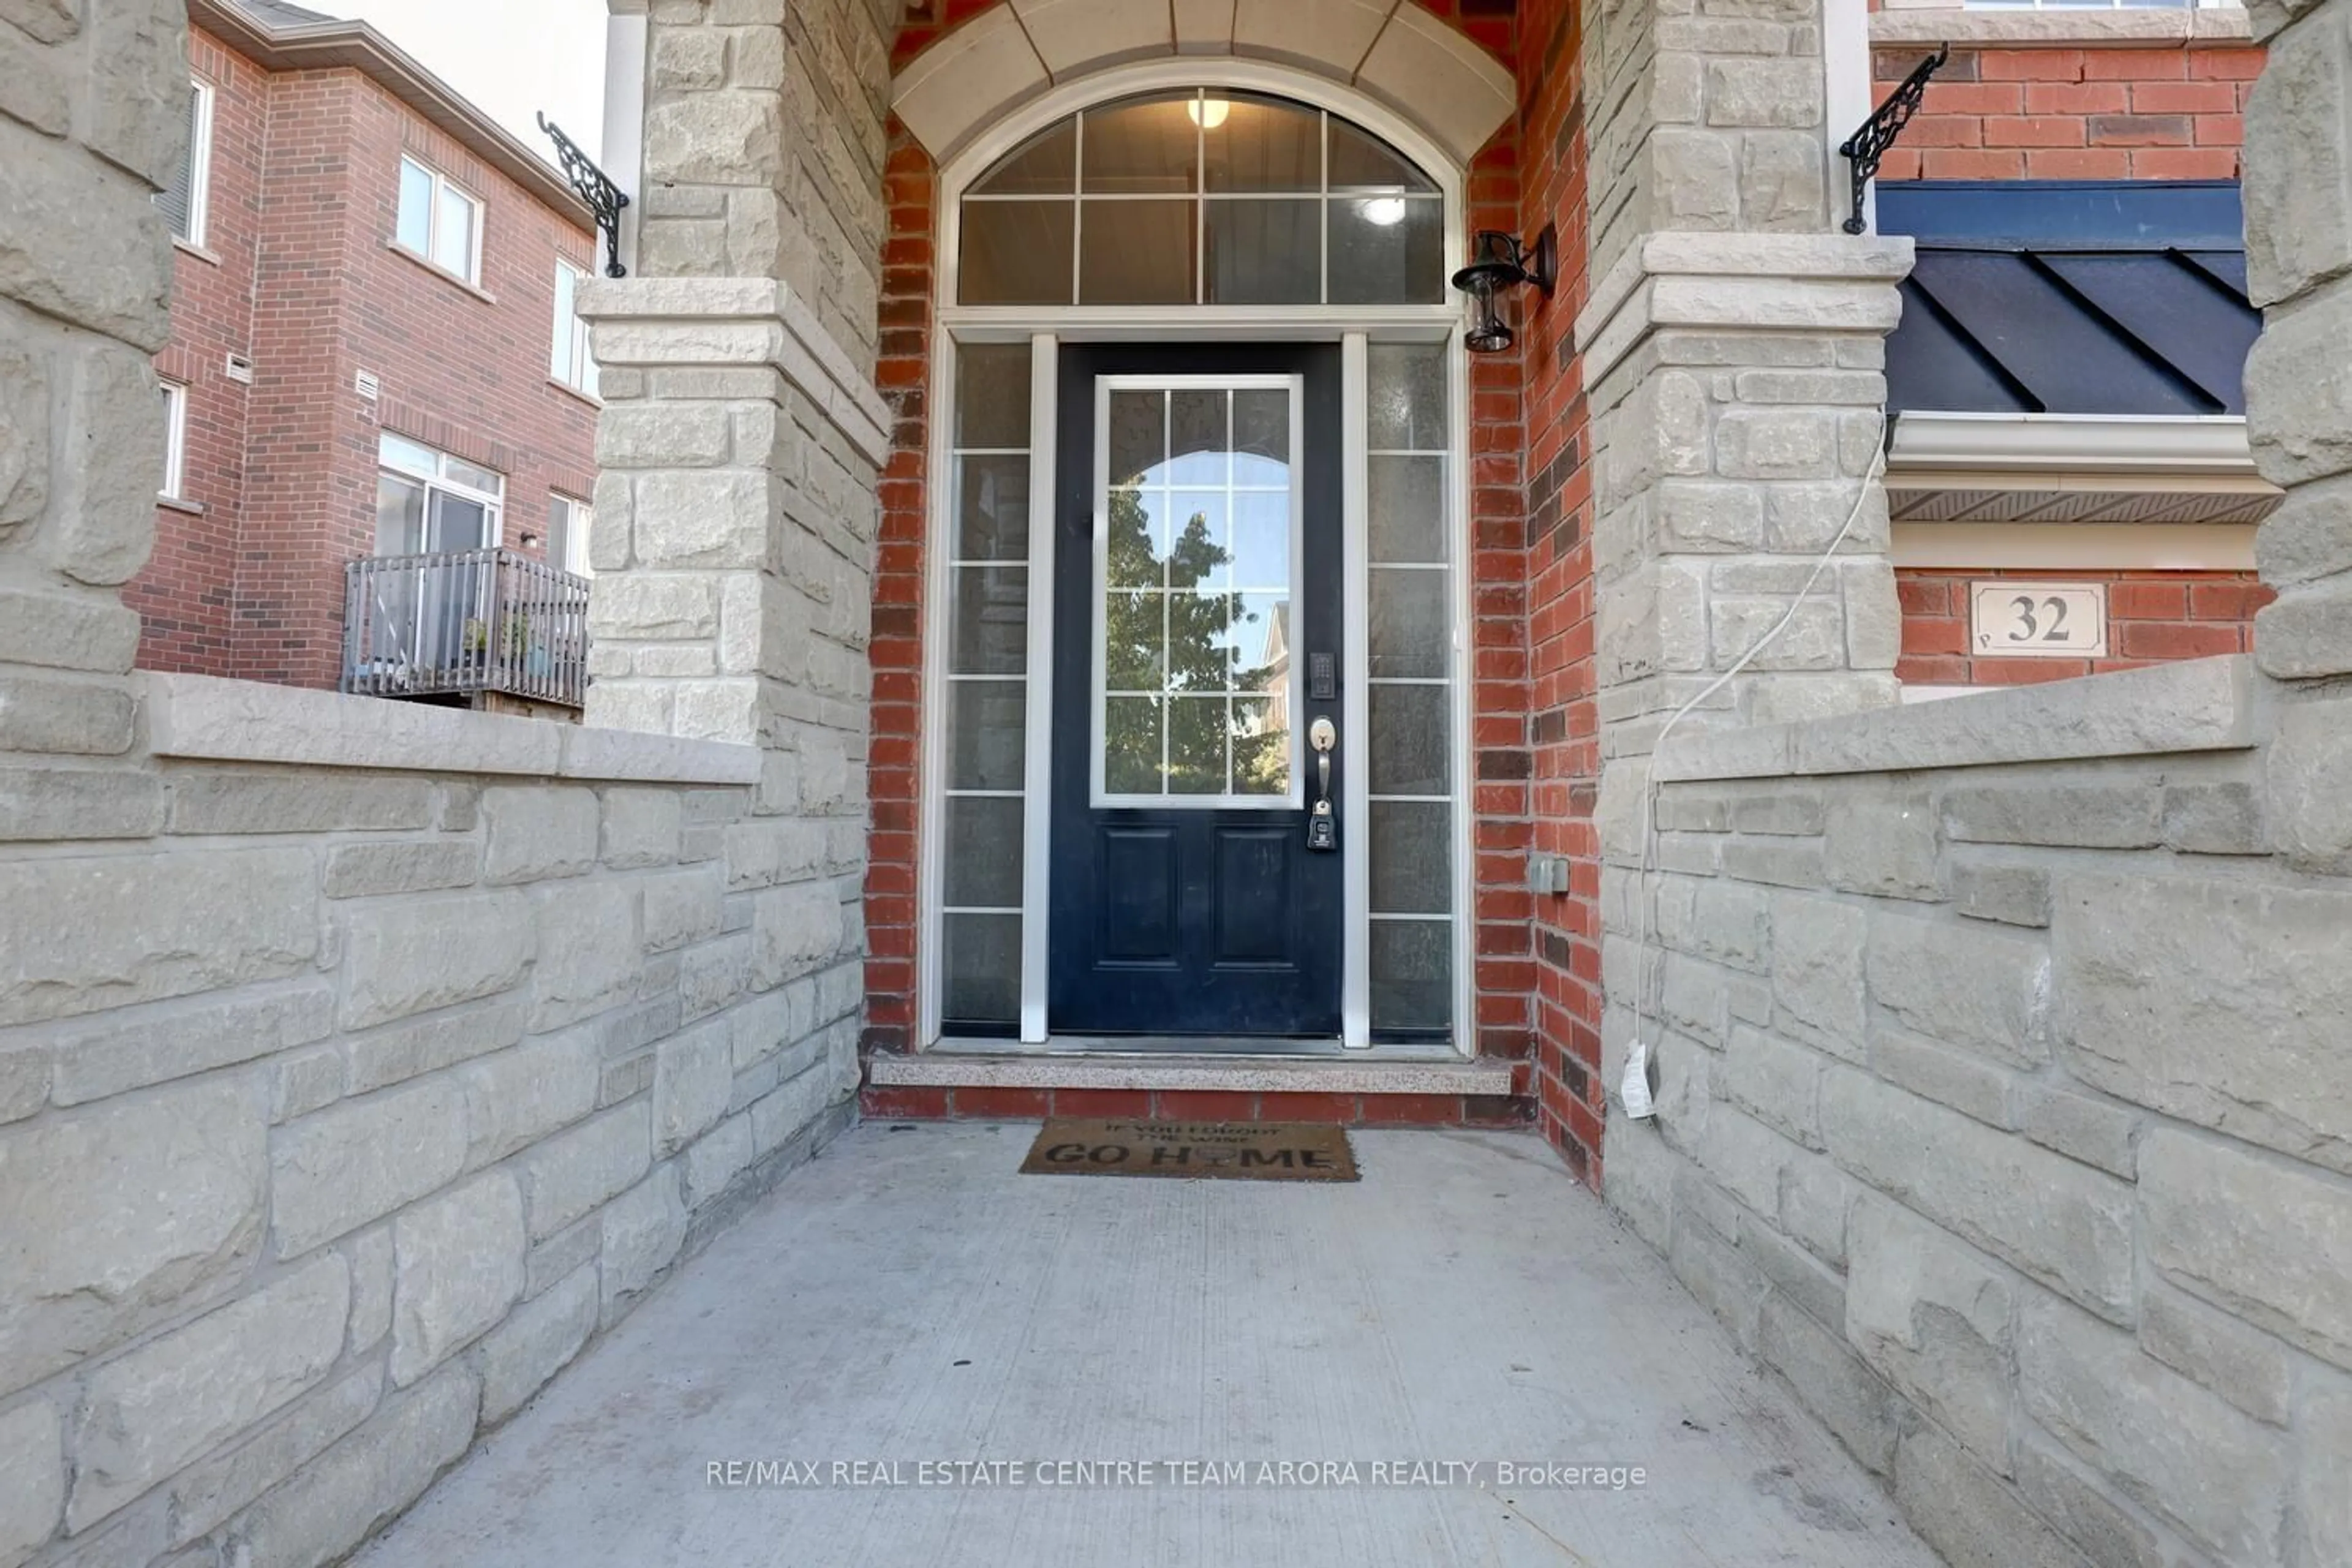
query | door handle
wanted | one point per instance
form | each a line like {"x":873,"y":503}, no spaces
{"x":1322,"y":823}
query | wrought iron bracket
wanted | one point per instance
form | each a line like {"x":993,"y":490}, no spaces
{"x":604,"y":198}
{"x":1868,"y":145}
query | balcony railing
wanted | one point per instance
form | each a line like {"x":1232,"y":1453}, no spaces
{"x":465,"y":622}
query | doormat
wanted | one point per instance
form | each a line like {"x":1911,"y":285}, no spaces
{"x":1241,"y":1150}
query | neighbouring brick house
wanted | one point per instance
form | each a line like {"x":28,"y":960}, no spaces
{"x":373,"y":352}
{"x":2090,"y":143}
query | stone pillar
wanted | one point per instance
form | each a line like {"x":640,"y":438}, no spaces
{"x":1734,"y":349}
{"x":1738,"y":403}
{"x":95,"y":100}
{"x":2298,"y":158}
{"x":741,"y":442}
{"x":764,"y":144}
{"x":736,"y":512}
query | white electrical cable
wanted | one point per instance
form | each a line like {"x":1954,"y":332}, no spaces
{"x":1637,"y":1102}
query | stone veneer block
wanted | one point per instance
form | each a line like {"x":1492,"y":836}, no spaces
{"x":2065,"y":1224}
{"x":460,"y":1266}
{"x":116,"y":1217}
{"x":960,"y":83}
{"x":2154,"y":973}
{"x":1432,"y":72}
{"x":1072,"y":37}
{"x":351,"y":1163}
{"x":118,"y":930}
{"x":245,"y":721}
{"x":150,"y":1413}
{"x":2269,"y":1242}
{"x":2201,"y":705}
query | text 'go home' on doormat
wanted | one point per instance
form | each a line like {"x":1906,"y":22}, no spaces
{"x":1245,"y":1151}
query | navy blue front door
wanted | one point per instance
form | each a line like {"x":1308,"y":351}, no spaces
{"x":1198,"y":623}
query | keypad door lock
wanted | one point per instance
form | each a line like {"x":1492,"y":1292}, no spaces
{"x":1322,"y":822}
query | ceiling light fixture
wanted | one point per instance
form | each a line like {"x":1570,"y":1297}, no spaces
{"x":1386,"y":212}
{"x":1208,"y":113}
{"x":1500,"y":262}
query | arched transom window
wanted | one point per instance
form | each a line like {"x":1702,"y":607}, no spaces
{"x":1203,"y":195}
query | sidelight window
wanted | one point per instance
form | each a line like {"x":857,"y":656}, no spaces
{"x":987,"y":687}
{"x":1409,"y":638}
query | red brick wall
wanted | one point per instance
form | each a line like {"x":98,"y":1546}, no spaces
{"x":1563,"y":724}
{"x":2153,"y":617}
{"x":186,"y":592}
{"x":2148,"y":114}
{"x":892,"y":782}
{"x":1503,"y":789}
{"x":306,"y":181}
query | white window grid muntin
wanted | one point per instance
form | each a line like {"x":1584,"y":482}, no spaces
{"x":1200,"y":196}
{"x":175,"y":439}
{"x":1456,"y":644}
{"x":954,"y":564}
{"x":200,"y":160}
{"x":1428,"y":322}
{"x":442,"y":184}
{"x":1100,"y":796}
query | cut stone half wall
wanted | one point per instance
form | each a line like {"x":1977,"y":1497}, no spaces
{"x":2003,"y":1107}
{"x":1997,"y":1043}
{"x":354,"y":1075}
{"x":361,"y":1062}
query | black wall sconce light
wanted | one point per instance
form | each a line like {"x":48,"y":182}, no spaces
{"x":1500,"y":262}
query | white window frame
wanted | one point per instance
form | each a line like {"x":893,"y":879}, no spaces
{"x":1046,"y":329}
{"x":176,"y":440}
{"x":1294,"y":797}
{"x":200,"y":162}
{"x":442,"y":184}
{"x":569,"y":362}
{"x":436,"y":477}
{"x":579,"y":517}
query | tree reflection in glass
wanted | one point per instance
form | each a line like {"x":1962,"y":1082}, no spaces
{"x":1192,"y":692}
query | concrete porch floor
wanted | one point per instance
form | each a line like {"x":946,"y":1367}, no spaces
{"x":908,"y":1295}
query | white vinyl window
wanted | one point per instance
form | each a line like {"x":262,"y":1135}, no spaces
{"x":185,"y":200}
{"x":568,"y":360}
{"x":176,"y":438}
{"x":428,"y":502}
{"x":439,"y":221}
{"x":568,"y":522}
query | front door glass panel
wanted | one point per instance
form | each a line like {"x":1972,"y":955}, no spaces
{"x":1197,"y":544}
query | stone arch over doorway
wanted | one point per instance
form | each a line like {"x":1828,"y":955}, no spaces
{"x":1392,"y":50}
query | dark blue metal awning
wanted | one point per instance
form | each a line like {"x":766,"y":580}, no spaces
{"x":2065,"y":297}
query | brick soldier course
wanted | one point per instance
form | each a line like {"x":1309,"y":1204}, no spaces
{"x":359,"y":1065}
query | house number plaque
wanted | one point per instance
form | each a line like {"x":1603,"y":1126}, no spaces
{"x":2038,"y":620}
